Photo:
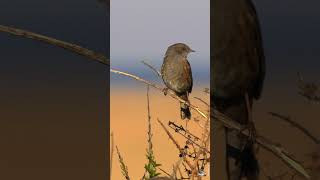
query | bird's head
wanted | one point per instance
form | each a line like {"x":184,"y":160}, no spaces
{"x":179,"y":48}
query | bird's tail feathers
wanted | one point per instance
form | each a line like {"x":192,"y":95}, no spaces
{"x":248,"y":162}
{"x":184,"y":108}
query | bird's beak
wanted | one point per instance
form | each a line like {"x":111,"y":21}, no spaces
{"x":192,"y":50}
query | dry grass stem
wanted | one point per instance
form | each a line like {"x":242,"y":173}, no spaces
{"x":62,"y":44}
{"x":158,"y":73}
{"x":124,"y":168}
{"x":288,"y":120}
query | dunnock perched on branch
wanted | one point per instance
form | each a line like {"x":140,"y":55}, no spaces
{"x":237,"y":76}
{"x":177,"y":75}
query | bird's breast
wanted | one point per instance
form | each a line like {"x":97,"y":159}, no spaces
{"x":175,"y":76}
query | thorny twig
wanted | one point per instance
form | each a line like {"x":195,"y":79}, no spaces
{"x":185,"y":133}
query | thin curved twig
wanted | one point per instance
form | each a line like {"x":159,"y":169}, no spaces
{"x":201,"y":100}
{"x":296,"y":125}
{"x":151,"y":67}
{"x":62,"y":44}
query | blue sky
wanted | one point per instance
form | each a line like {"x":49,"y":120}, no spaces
{"x":143,"y":29}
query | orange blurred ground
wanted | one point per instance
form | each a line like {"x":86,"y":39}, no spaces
{"x":129,"y":125}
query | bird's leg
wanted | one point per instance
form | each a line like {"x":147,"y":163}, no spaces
{"x":251,"y":130}
{"x":250,"y":124}
{"x":165,"y":91}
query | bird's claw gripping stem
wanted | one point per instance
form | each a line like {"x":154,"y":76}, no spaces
{"x":252,"y":131}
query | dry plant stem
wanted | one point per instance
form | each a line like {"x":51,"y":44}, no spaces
{"x":180,"y":173}
{"x":149,"y":121}
{"x":154,"y":69}
{"x":188,"y":138}
{"x":176,"y":144}
{"x":175,"y":168}
{"x":296,"y":125}
{"x":164,"y":172}
{"x":201,"y":100}
{"x":123,"y":166}
{"x":62,"y":44}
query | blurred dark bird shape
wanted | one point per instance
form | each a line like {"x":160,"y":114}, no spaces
{"x":237,"y":69}
{"x":177,"y":75}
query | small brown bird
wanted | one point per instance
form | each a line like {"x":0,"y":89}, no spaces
{"x":177,"y":75}
{"x":237,"y":78}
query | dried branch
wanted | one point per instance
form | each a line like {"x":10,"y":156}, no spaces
{"x":165,"y":172}
{"x":288,"y":120}
{"x":55,"y":42}
{"x":201,"y":100}
{"x":188,"y":135}
{"x":149,"y":122}
{"x":176,"y":144}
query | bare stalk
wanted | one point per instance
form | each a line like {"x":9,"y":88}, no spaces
{"x":124,"y":168}
{"x":296,"y":125}
{"x":62,"y":44}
